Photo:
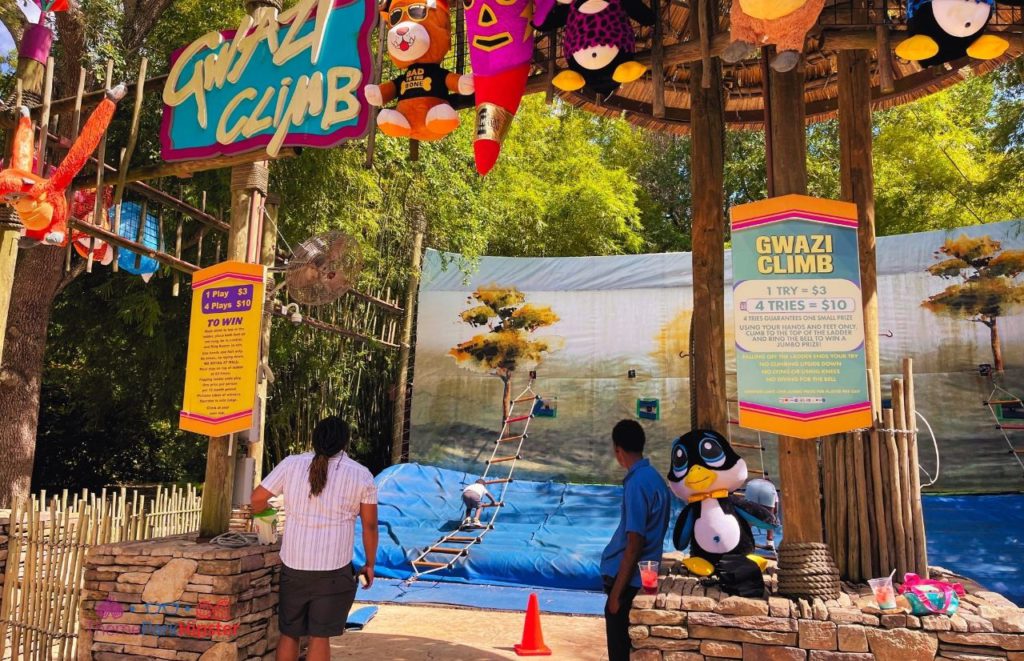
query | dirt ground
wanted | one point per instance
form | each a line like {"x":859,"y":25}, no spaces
{"x":412,"y":633}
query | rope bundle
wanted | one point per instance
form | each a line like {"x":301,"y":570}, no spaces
{"x":807,"y":570}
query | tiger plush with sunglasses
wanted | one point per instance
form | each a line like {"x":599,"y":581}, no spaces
{"x":419,"y":37}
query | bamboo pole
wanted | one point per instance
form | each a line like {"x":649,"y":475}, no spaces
{"x":900,"y":422}
{"x":920,"y":538}
{"x":126,"y":155}
{"x":863,"y":505}
{"x":101,"y":159}
{"x":853,"y":571}
{"x":894,"y":493}
{"x":69,"y":195}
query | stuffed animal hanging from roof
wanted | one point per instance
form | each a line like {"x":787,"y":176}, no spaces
{"x":419,"y":37}
{"x":598,"y":41}
{"x":947,"y":30}
{"x":40,"y":202}
{"x":714,"y":523}
{"x":784,"y":23}
{"x":500,"y":39}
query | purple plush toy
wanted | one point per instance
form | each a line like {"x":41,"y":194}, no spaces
{"x":598,"y":39}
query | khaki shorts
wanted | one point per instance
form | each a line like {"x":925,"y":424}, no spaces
{"x":315,"y":603}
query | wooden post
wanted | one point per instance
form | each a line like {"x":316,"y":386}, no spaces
{"x":920,"y":546}
{"x":402,"y":382}
{"x":858,"y":182}
{"x":707,"y":130}
{"x":248,"y":189}
{"x":268,"y":257}
{"x":798,"y":459}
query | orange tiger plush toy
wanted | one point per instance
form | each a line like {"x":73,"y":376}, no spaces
{"x":419,"y":37}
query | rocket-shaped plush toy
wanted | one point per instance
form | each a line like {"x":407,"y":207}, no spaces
{"x":500,"y":48}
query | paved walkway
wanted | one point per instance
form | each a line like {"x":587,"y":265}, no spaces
{"x":412,"y":633}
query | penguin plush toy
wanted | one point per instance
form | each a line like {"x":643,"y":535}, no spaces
{"x":946,"y":30}
{"x":714,"y":523}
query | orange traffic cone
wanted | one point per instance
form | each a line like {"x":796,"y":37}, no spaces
{"x":533,"y":638}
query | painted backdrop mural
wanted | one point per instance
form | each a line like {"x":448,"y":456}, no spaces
{"x":621,"y":324}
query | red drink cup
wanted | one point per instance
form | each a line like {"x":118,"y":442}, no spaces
{"x":649,"y":575}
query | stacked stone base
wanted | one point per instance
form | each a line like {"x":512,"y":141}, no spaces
{"x":175,"y":599}
{"x":685,"y":621}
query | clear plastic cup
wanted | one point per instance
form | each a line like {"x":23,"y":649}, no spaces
{"x":649,"y":575}
{"x":885,"y":594}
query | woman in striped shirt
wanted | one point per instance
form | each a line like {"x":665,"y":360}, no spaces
{"x":324,"y":491}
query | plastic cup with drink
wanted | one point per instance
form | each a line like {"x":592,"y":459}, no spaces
{"x":649,"y":575}
{"x":885,"y":594}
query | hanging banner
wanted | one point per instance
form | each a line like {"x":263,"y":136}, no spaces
{"x":223,"y":348}
{"x":291,"y":81}
{"x":798,"y":317}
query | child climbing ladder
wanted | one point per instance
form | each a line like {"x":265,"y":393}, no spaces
{"x":445,"y":552}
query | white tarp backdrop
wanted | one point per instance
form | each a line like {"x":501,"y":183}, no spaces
{"x":633,"y":312}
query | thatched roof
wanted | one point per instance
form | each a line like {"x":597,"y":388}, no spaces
{"x":838,"y":28}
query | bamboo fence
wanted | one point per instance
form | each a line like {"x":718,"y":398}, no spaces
{"x":47,"y":542}
{"x":872,"y":490}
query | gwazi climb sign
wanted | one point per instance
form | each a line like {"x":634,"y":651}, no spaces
{"x":799,"y":317}
{"x":223,"y":348}
{"x":291,"y":81}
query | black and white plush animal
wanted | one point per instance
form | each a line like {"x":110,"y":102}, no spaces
{"x":715,"y":523}
{"x":947,"y":30}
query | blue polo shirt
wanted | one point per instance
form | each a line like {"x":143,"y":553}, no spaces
{"x":646,"y":507}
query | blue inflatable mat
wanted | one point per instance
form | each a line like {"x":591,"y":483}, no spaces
{"x":489,"y":597}
{"x":551,"y":534}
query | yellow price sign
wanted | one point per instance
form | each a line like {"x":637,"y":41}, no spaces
{"x":223,"y":348}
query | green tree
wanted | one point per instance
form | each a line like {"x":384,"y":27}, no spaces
{"x":987,"y":287}
{"x":507,"y":345}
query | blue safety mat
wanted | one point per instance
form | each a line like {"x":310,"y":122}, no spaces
{"x":981,"y":537}
{"x":488,"y":597}
{"x":551,"y":534}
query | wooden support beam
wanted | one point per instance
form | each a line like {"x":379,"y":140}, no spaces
{"x":419,"y":228}
{"x":858,"y":186}
{"x":798,"y":458}
{"x":708,"y":195}
{"x":167,"y":260}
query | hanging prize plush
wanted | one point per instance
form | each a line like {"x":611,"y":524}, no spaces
{"x":947,"y":30}
{"x":40,"y":202}
{"x":714,"y":523}
{"x":128,"y":261}
{"x":784,"y":23}
{"x":83,"y":207}
{"x":598,"y":41}
{"x":419,"y":37}
{"x":500,"y":49}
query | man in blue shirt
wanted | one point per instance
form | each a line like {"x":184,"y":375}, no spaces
{"x":640,"y":536}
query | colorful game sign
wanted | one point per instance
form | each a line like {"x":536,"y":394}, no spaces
{"x":223,"y":348}
{"x":293,"y":81}
{"x":799,"y":317}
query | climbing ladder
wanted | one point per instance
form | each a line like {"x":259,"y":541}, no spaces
{"x":1008,"y":412}
{"x":455,"y":545}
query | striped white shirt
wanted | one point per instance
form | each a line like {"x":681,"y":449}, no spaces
{"x":320,"y":531}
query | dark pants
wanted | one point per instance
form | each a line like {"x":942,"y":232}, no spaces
{"x":315,"y":603}
{"x":616,"y":626}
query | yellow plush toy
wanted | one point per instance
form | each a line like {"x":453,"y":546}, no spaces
{"x":783,"y":23}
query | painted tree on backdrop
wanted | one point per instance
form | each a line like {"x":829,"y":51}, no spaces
{"x":987,"y":287}
{"x":507,"y":346}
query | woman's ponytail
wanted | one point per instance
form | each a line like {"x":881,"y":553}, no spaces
{"x":330,"y":437}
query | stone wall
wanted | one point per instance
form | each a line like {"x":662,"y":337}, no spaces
{"x":176,"y":599}
{"x":686,"y":621}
